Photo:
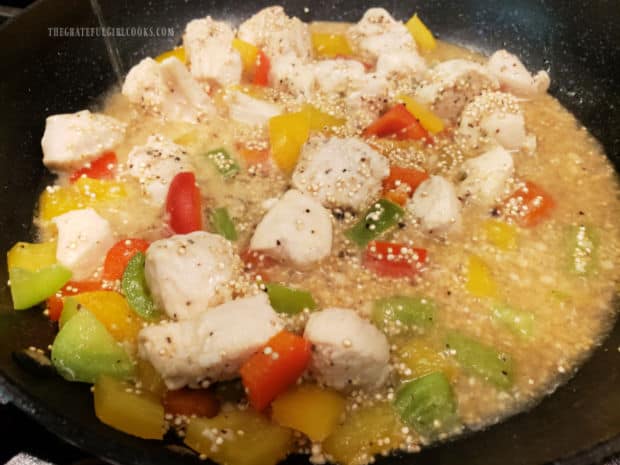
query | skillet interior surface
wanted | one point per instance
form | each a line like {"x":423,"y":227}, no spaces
{"x":43,"y":74}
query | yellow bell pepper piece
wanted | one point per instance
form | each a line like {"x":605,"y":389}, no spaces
{"x":318,"y":119}
{"x":429,"y":120}
{"x":177,"y":52}
{"x":421,"y":34}
{"x":248,"y":438}
{"x":330,"y":45}
{"x":364,"y":434}
{"x":31,"y":257}
{"x":421,"y":359}
{"x":248,"y":53}
{"x":479,"y":280}
{"x":84,"y":193}
{"x":287,"y":134}
{"x":113,"y":311}
{"x":501,"y":235}
{"x":117,"y":404}
{"x":149,"y":379}
{"x":310,"y":409}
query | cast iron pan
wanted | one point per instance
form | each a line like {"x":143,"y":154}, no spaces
{"x":43,"y":75}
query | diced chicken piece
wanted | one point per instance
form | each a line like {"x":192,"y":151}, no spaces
{"x":436,"y":206}
{"x":72,"y":139}
{"x":250,"y":110}
{"x":290,"y":74}
{"x":273,"y":31}
{"x":494,"y":118}
{"x":155,"y":164}
{"x":348,"y":351}
{"x":210,"y":53}
{"x":213,"y":345}
{"x":340,"y":172}
{"x":378,"y":33}
{"x":486,"y":176}
{"x":167,"y":90}
{"x":514,"y":77}
{"x":336,"y":76}
{"x":84,"y":237}
{"x":296,"y":229}
{"x":189,"y":273}
{"x":453,"y":84}
{"x":366,"y":100}
{"x":402,"y":65}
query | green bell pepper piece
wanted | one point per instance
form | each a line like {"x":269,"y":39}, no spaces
{"x":136,"y":290}
{"x":70,"y":308}
{"x":29,"y":288}
{"x":583,"y":244}
{"x":222,"y":224}
{"x":383,"y":215}
{"x":410,"y":311}
{"x":519,"y":322}
{"x":482,"y":360}
{"x":223,"y":162}
{"x":84,"y":349}
{"x":289,"y":300}
{"x":427,"y":404}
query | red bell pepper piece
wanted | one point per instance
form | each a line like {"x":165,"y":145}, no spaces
{"x":399,"y":123}
{"x":256,"y":263}
{"x":261,"y":70}
{"x":54,"y":304}
{"x":183,"y":204}
{"x":119,"y":255}
{"x":273,"y":369}
{"x":529,"y":205}
{"x":101,"y":168}
{"x":393,"y":260}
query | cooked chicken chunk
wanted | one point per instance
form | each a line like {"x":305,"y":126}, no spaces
{"x":290,"y":74}
{"x":296,"y":229}
{"x":272,"y":30}
{"x":72,"y":139}
{"x":155,"y":164}
{"x":84,"y":238}
{"x":336,"y":76}
{"x":167,"y":90}
{"x":340,"y":172}
{"x":250,"y":110}
{"x":210,"y":54}
{"x":366,"y":100}
{"x":348,"y":351}
{"x":379,"y":33}
{"x":436,"y":206}
{"x":402,"y":65}
{"x":189,"y":273}
{"x":486,"y":176}
{"x":213,"y":345}
{"x":514,"y":77}
{"x":494,"y":118}
{"x":452,"y":84}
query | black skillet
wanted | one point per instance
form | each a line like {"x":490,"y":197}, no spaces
{"x":42,"y":73}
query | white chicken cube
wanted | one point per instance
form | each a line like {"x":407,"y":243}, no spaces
{"x":208,"y":45}
{"x":289,"y":73}
{"x":72,"y":139}
{"x":155,"y":164}
{"x":250,"y":110}
{"x":336,"y":76}
{"x":167,"y":90}
{"x":340,"y":172}
{"x":348,"y":352}
{"x":436,"y":206}
{"x":401,"y":65}
{"x":378,"y":33}
{"x":213,"y":345}
{"x":189,"y":273}
{"x":84,"y":238}
{"x":514,"y":77}
{"x":493,"y":118}
{"x":486,"y":176}
{"x":452,"y":84}
{"x":296,"y":229}
{"x":273,"y":31}
{"x":367,"y":99}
